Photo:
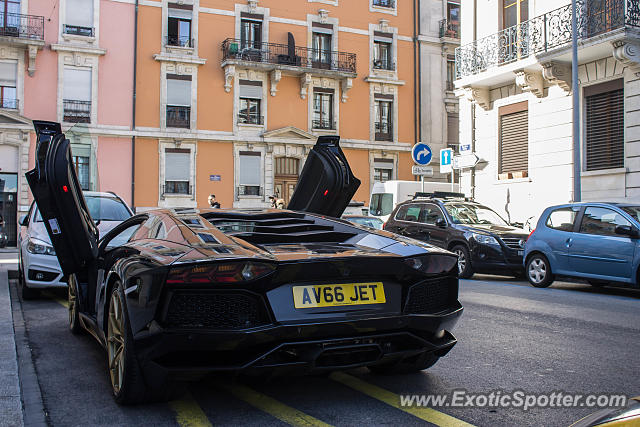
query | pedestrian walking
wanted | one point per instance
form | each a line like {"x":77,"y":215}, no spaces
{"x":213,"y":202}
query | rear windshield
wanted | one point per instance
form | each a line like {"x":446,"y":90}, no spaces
{"x":381,"y":204}
{"x":102,"y":209}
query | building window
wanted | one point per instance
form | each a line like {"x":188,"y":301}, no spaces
{"x":384,"y":119}
{"x":76,"y":102}
{"x":179,"y":25}
{"x":178,"y":101}
{"x":10,"y":18}
{"x":453,"y":130}
{"x":382,"y":170}
{"x":323,"y":110}
{"x":8,"y":93}
{"x":177,"y":171}
{"x":514,"y":12}
{"x":81,"y":165}
{"x":250,"y":100}
{"x":79,"y":18}
{"x":604,"y":105}
{"x":251,"y":33}
{"x":451,"y":72}
{"x":249,"y":180}
{"x":514,"y":141}
{"x":321,"y":48}
{"x":383,"y":55}
{"x":385,"y":3}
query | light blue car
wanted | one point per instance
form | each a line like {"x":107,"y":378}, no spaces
{"x":596,"y":242}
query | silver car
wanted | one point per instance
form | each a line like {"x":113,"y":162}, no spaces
{"x":38,"y":266}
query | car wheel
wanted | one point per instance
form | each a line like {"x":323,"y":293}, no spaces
{"x":406,"y":366}
{"x":464,"y":261}
{"x":26,"y":292}
{"x":72,"y":299}
{"x":539,"y":271}
{"x":127,"y":383}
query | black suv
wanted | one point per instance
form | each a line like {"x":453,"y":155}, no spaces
{"x":483,"y":241}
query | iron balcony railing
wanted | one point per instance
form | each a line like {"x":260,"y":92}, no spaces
{"x":384,"y":131}
{"x":180,"y":41}
{"x":249,"y":190}
{"x":75,"y":111}
{"x":250,"y":119}
{"x":324,"y":124}
{"x":178,"y":116}
{"x":177,"y":187}
{"x":384,"y":64}
{"x":450,"y":29}
{"x":22,"y":26}
{"x":78,"y":31}
{"x":10,"y":104}
{"x":385,"y":3}
{"x":545,"y":32}
{"x":282,"y":54}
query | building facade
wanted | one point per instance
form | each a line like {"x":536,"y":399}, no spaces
{"x":231,"y":99}
{"x":65,"y":62}
{"x":514,"y":82}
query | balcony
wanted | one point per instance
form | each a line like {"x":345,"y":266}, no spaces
{"x":22,"y":26}
{"x":249,"y":190}
{"x":449,"y":29}
{"x":391,"y":4}
{"x":180,"y":41}
{"x":9,"y":104}
{"x":178,"y":117}
{"x":250,"y":119}
{"x":545,"y":33}
{"x":384,"y":131}
{"x":75,"y":30}
{"x":177,"y":188}
{"x":270,"y":56}
{"x":75,"y":111}
{"x":384,"y":64}
{"x":323,"y":125}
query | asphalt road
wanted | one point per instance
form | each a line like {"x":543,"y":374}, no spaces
{"x":570,"y":337}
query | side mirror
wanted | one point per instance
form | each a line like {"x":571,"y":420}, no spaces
{"x":441,"y":223}
{"x":626,"y":230}
{"x":23,"y":220}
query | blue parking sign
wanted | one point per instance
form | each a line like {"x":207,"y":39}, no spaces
{"x":421,"y":154}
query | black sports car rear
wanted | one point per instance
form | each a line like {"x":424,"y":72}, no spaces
{"x":182,"y":293}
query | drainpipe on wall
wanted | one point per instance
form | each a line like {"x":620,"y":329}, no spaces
{"x":419,"y":82}
{"x":133,"y":112}
{"x":416,"y":107}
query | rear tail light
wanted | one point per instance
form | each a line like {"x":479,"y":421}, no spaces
{"x":529,"y":236}
{"x":432,"y":264}
{"x":219,"y":273}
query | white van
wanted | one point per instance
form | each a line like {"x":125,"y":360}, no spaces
{"x":386,"y":195}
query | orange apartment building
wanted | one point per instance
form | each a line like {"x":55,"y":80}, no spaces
{"x":231,"y":95}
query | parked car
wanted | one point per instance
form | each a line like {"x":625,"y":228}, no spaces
{"x":596,"y":242}
{"x":188,"y":292}
{"x":38,"y":267}
{"x":483,"y":241}
{"x":369,"y":221}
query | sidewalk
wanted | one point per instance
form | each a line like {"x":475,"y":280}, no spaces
{"x":10,"y":402}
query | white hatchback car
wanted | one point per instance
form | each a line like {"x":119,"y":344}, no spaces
{"x":38,"y":266}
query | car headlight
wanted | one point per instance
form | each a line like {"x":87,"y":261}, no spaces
{"x":40,"y":248}
{"x":485,"y":239}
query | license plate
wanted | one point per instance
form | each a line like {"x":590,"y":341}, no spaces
{"x":520,"y":253}
{"x":338,"y":295}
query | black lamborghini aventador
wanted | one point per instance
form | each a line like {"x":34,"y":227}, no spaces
{"x":182,"y":293}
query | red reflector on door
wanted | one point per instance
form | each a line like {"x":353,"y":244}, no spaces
{"x":65,"y":189}
{"x":326,"y":192}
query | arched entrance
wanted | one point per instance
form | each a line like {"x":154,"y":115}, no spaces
{"x":286,"y":174}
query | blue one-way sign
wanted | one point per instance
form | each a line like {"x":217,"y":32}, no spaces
{"x":446,"y":160}
{"x":421,"y":154}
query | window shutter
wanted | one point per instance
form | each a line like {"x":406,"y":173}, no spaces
{"x":179,"y":13}
{"x":453,"y":126}
{"x":8,"y":73}
{"x":77,"y":84}
{"x":253,"y":91}
{"x":250,"y":170}
{"x":605,"y":130}
{"x":179,"y":92}
{"x":514,"y":142}
{"x":80,"y":13}
{"x":177,"y":165}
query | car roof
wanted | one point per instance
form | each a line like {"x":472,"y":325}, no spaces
{"x":100,"y":194}
{"x":580,"y":204}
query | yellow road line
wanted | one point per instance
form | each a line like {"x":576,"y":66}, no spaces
{"x":62,"y":302}
{"x":189,"y":413}
{"x":271,"y":406}
{"x":427,"y":414}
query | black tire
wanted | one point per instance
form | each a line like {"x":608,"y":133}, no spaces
{"x":406,"y":366}
{"x":72,"y":299}
{"x":465,"y":271}
{"x":125,"y":376}
{"x":538,"y":271}
{"x":26,"y":292}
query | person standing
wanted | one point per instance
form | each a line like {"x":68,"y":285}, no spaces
{"x":213,"y":202}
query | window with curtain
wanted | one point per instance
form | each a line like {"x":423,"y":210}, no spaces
{"x":382,"y":55}
{"x":322,"y":110}
{"x":179,"y":26}
{"x":177,"y":171}
{"x":9,"y":21}
{"x":79,"y":17}
{"x":382,"y":170}
{"x":8,"y":93}
{"x":250,"y":100}
{"x":321,"y":49}
{"x":384,"y":119}
{"x":178,"y":101}
{"x":249,"y":179}
{"x":251,"y":33}
{"x":81,"y":165}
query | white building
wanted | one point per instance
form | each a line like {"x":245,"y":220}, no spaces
{"x":514,"y":82}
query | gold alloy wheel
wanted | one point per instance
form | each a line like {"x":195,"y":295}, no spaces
{"x":72,"y":300}
{"x":115,"y":341}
